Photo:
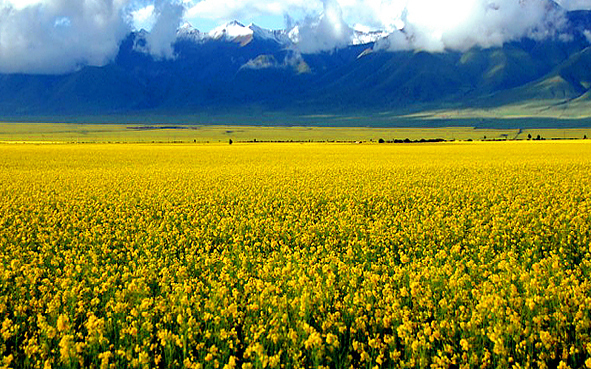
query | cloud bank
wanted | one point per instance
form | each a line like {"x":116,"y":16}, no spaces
{"x":575,"y":4}
{"x":169,"y":16}
{"x":431,"y":25}
{"x":228,"y":10}
{"x":462,"y":24}
{"x":326,"y":32}
{"x":60,"y":36}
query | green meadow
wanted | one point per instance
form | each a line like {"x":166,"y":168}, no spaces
{"x":130,"y":133}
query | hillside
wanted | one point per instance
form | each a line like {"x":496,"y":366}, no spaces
{"x":242,"y":69}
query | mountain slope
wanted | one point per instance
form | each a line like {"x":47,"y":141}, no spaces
{"x":237,"y":67}
{"x":570,"y":80}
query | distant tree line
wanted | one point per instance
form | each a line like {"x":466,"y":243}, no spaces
{"x":407,"y":140}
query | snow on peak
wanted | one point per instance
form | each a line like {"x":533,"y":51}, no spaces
{"x":367,"y":37}
{"x":294,"y":34}
{"x":238,"y":33}
{"x":186,"y":28}
{"x":261,"y":32}
{"x":188,"y":31}
{"x":230,"y":31}
{"x":279,"y":36}
{"x":360,"y":35}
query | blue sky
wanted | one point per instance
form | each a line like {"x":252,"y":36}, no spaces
{"x":269,"y":21}
{"x":265,"y":21}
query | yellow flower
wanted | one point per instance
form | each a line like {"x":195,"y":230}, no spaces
{"x":7,"y":360}
{"x":104,"y":358}
{"x":67,"y":349}
{"x":231,"y":363}
{"x":464,"y":344}
{"x":332,"y":340}
{"x":562,"y":365}
{"x":7,"y":329}
{"x":51,"y":332}
{"x":282,"y":250}
{"x":314,"y":340}
{"x":62,"y":323}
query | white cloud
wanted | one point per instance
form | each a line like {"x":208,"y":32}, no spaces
{"x":20,"y":4}
{"x":59,"y":36}
{"x":168,"y":17}
{"x":324,"y":33}
{"x":462,"y":24}
{"x":144,"y":18}
{"x":432,"y":25}
{"x":228,"y":10}
{"x":575,"y":4}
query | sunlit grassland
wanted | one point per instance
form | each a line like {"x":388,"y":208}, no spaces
{"x":134,"y":133}
{"x":316,"y":255}
{"x":557,"y":110}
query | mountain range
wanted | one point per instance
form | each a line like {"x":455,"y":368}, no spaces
{"x":241,"y":69}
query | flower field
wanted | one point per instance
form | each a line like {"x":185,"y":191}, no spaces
{"x":461,"y":255}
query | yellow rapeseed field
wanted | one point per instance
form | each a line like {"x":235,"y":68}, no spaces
{"x":462,"y":255}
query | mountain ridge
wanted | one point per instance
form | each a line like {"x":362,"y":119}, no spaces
{"x":236,"y":67}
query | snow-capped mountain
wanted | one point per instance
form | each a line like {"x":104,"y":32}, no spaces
{"x":238,"y":33}
{"x":361,"y":37}
{"x":279,"y":36}
{"x":187,"y":31}
{"x":237,"y":67}
{"x":234,"y":32}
